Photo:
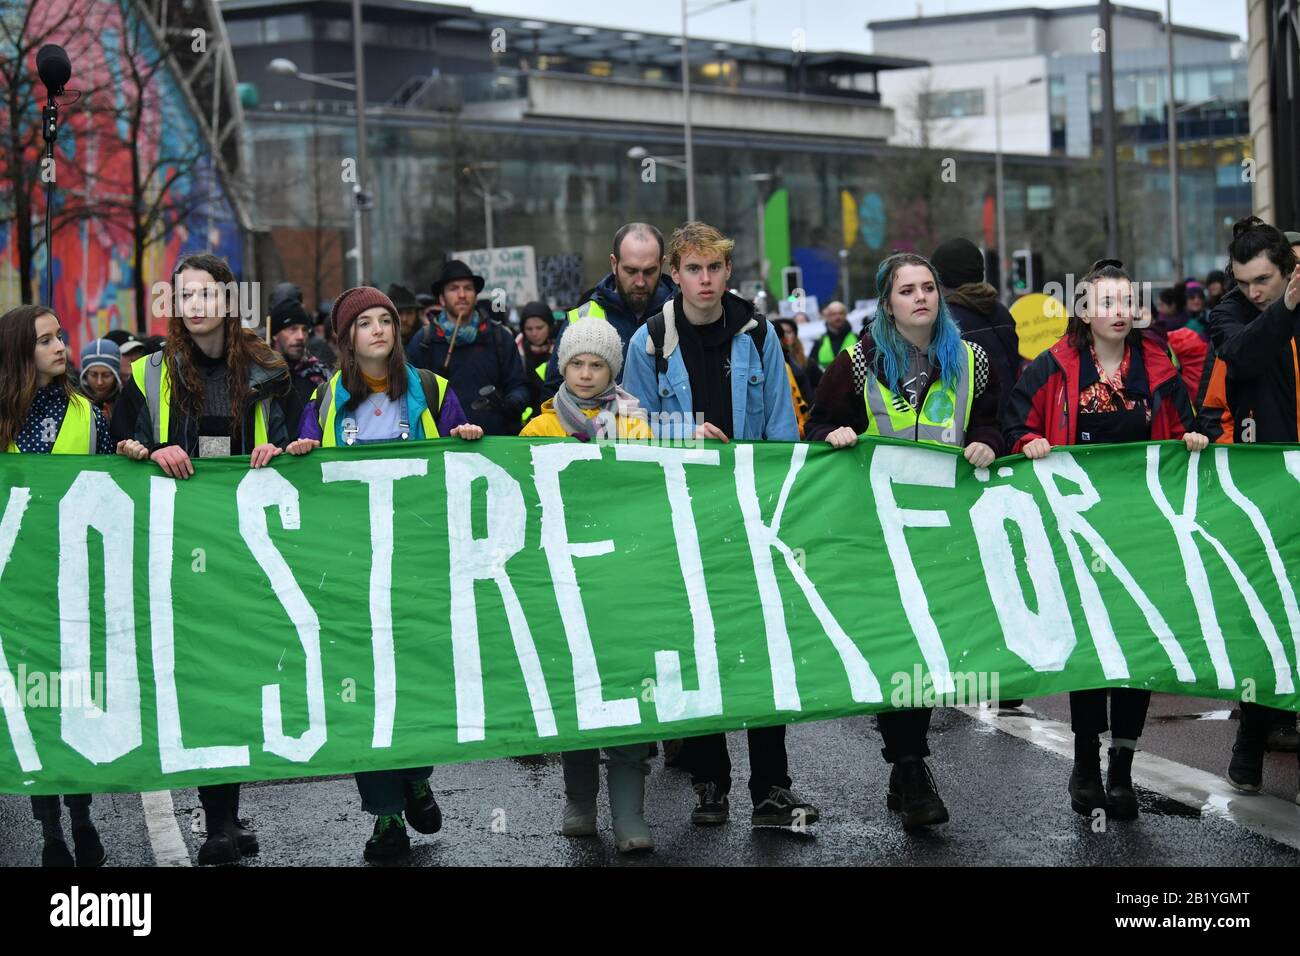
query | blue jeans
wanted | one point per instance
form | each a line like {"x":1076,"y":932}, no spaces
{"x":383,"y":792}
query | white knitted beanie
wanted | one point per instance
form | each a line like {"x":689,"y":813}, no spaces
{"x":592,"y":337}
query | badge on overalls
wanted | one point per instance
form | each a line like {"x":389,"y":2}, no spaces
{"x":350,"y":431}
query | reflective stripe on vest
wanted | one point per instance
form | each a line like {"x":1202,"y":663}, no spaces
{"x":77,"y":435}
{"x":158,"y":396}
{"x":943,"y":416}
{"x":327,"y":415}
{"x":591,"y":309}
{"x":826,"y":355}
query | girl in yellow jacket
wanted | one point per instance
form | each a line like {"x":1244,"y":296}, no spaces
{"x":590,"y":404}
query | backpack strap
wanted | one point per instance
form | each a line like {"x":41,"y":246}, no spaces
{"x":759,"y":332}
{"x":429,"y":382}
{"x":657,"y":328}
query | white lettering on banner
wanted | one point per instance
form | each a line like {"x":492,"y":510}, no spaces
{"x":258,"y":490}
{"x":672,"y":701}
{"x":95,"y":501}
{"x":173,"y":755}
{"x":10,"y":698}
{"x":472,"y":559}
{"x":594,"y":711}
{"x":1043,"y":640}
{"x":1185,"y":527}
{"x":890,"y":464}
{"x":763,"y":539}
{"x":379,"y":474}
{"x":1292,"y":463}
{"x":1070,"y":522}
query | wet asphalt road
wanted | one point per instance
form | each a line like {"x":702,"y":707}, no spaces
{"x":1006,"y":797}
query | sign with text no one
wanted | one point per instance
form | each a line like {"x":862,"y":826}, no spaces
{"x":513,"y":269}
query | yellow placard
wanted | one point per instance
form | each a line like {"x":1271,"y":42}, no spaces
{"x":848,"y":218}
{"x":1040,"y":321}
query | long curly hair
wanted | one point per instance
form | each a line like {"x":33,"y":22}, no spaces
{"x":18,"y":369}
{"x":243,"y":347}
{"x":890,"y":359}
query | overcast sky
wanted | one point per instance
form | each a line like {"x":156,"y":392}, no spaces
{"x":830,"y":24}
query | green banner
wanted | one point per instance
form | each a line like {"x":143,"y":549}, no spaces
{"x":402,"y":605}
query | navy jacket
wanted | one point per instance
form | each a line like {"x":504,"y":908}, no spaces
{"x":492,"y":359}
{"x":617,"y":314}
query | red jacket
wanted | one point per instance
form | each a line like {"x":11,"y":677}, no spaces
{"x":1045,"y":401}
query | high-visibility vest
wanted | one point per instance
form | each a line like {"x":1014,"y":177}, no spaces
{"x":540,"y":370}
{"x":327,"y":415}
{"x":152,"y":370}
{"x":941,"y":419}
{"x":77,"y":434}
{"x":826,"y":354}
{"x":591,"y":309}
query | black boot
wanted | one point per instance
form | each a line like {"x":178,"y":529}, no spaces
{"x":245,"y":838}
{"x":422,"y":810}
{"x":90,"y":851}
{"x":1086,"y":791}
{"x":1122,"y":802}
{"x":1246,"y":769}
{"x":389,"y":843}
{"x":222,"y":845}
{"x":55,"y":854}
{"x":912,"y":793}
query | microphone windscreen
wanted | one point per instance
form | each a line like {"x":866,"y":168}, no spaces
{"x":53,"y":65}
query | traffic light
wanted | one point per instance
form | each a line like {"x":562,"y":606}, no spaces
{"x":1026,"y":271}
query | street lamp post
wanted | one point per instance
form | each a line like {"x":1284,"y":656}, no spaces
{"x":758,"y":179}
{"x":358,"y":188}
{"x":997,"y":178}
{"x":360,"y":200}
{"x":1175,"y":217}
{"x":686,"y":119}
{"x":1109,"y":161}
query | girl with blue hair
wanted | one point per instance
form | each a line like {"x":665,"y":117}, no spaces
{"x":911,"y":376}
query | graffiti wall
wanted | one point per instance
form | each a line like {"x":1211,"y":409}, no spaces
{"x":93,"y":260}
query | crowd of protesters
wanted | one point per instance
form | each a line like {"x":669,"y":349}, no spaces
{"x":662,"y":348}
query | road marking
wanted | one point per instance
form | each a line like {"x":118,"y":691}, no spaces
{"x":164,"y":834}
{"x":1260,"y":813}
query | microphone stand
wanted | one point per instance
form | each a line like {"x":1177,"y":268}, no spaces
{"x":50,"y":130}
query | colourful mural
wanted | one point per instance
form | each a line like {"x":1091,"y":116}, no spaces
{"x":93,"y":259}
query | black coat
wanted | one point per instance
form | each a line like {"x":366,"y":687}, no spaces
{"x":492,"y":359}
{"x":1259,"y":349}
{"x":995,"y":332}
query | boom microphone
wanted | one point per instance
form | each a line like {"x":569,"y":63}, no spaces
{"x":55,"y":68}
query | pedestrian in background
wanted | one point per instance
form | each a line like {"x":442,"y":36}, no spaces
{"x":101,"y":382}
